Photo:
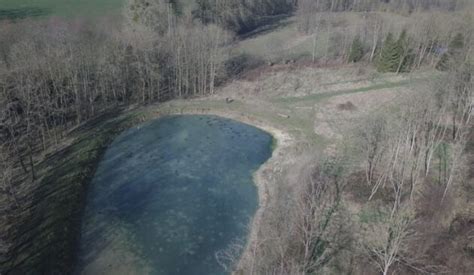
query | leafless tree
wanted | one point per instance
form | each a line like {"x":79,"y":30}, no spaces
{"x":456,"y":93}
{"x":386,"y":244}
{"x":372,"y":137}
{"x":305,"y":227}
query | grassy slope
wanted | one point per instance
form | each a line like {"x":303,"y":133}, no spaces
{"x":282,"y":40}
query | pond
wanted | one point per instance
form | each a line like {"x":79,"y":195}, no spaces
{"x":169,"y":194}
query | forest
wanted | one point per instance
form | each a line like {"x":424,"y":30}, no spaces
{"x":57,"y":75}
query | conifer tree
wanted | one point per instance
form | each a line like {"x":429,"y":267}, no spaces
{"x":396,"y":55}
{"x":453,"y":54}
{"x":406,"y":53}
{"x":357,"y":50}
{"x":389,"y":58}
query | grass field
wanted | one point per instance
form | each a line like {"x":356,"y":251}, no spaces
{"x":12,"y":9}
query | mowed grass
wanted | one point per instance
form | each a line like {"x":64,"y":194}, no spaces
{"x":319,"y":96}
{"x":14,"y":9}
{"x":284,"y":41}
{"x":65,"y":8}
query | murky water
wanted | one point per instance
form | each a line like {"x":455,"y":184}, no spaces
{"x":170,"y":194}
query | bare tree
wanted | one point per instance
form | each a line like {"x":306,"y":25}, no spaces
{"x":386,"y":244}
{"x":318,"y":219}
{"x":457,"y":95}
{"x":305,"y":227}
{"x":375,"y":25}
{"x":373,"y":136}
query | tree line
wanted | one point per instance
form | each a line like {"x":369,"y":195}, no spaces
{"x":399,"y":6}
{"x":409,"y":153}
{"x":241,"y":16}
{"x":393,"y":43}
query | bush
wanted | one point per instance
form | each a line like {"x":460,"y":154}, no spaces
{"x":241,"y":63}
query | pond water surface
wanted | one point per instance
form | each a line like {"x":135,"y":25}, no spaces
{"x":170,"y":194}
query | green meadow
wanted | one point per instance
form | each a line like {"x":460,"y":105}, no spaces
{"x":15,"y":9}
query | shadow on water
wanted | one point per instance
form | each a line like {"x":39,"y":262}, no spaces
{"x":22,"y":13}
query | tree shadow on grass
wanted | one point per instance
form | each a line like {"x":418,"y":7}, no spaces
{"x":48,"y":235}
{"x":267,"y":25}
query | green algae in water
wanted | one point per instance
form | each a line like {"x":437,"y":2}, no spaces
{"x":170,"y":194}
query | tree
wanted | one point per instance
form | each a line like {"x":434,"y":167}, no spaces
{"x":375,"y":25}
{"x":387,"y":243}
{"x":389,"y":57}
{"x":240,"y":16}
{"x":306,"y":226}
{"x":456,"y":94}
{"x":406,"y":53}
{"x":357,"y":50}
{"x":396,"y":56}
{"x":372,"y":136}
{"x":454,"y":54}
{"x":318,"y":217}
{"x":158,"y":15}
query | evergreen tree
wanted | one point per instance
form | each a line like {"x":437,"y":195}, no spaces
{"x":406,"y":54}
{"x":457,"y":44}
{"x":396,"y":55}
{"x":453,"y":54}
{"x":176,"y":6}
{"x":389,"y":58}
{"x":357,"y":50}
